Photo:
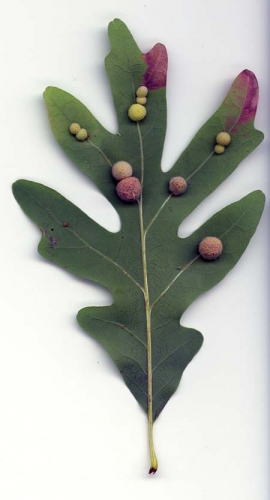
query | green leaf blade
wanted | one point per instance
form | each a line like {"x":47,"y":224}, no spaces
{"x":125,"y":67}
{"x":94,"y":156}
{"x":199,"y":165}
{"x":111,"y":327}
{"x":84,"y":247}
{"x":234,"y":225}
{"x":128,"y":68}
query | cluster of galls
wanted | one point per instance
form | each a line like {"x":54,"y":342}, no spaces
{"x":81,"y":134}
{"x":211,"y":247}
{"x":223,"y":139}
{"x":129,"y":188}
{"x":178,"y":185}
{"x":137,"y":112}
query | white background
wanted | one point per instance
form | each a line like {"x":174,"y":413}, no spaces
{"x":69,"y":428}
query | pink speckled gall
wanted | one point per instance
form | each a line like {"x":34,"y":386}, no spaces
{"x":210,"y":248}
{"x":129,"y":189}
{"x":177,"y":186}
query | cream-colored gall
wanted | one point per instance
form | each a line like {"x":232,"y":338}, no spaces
{"x":223,"y":139}
{"x":74,"y":128}
{"x":219,"y":149}
{"x":210,"y":248}
{"x":82,"y":135}
{"x":142,"y":91}
{"x":121,"y":170}
{"x":177,"y":185}
{"x":141,"y":100}
{"x":136,"y":112}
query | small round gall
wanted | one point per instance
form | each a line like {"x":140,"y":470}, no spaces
{"x":210,"y":248}
{"x":177,"y":186}
{"x":142,"y":91}
{"x":223,"y":139}
{"x":129,"y":189}
{"x":65,"y":224}
{"x":121,"y":170}
{"x":82,"y":135}
{"x":219,"y":149}
{"x":136,"y":112}
{"x":74,"y":128}
{"x":141,"y":100}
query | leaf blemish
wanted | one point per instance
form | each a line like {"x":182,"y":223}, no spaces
{"x":52,"y":241}
{"x":157,"y":61}
{"x":246,"y":93}
{"x":251,"y":102}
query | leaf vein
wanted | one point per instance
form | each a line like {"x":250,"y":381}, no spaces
{"x":172,"y":352}
{"x":86,"y":243}
{"x":123,"y":327}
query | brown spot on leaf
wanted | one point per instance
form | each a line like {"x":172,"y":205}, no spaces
{"x":65,"y":224}
{"x":157,"y":62}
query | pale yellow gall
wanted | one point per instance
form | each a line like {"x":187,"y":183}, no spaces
{"x":136,"y":112}
{"x":142,"y":91}
{"x":74,"y":128}
{"x":223,"y":139}
{"x":210,"y":248}
{"x":177,"y":186}
{"x":219,"y":149}
{"x":141,"y":100}
{"x":82,"y":135}
{"x":121,"y":170}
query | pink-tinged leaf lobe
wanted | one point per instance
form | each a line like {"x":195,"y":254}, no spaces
{"x":245,"y":91}
{"x":157,"y":64}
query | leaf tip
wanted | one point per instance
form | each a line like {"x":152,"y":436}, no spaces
{"x":16,"y":185}
{"x":247,"y":91}
{"x":262,"y":196}
{"x":47,"y":91}
{"x":248,"y":73}
{"x":257,"y":199}
{"x":19,"y":188}
{"x":115,"y":24}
